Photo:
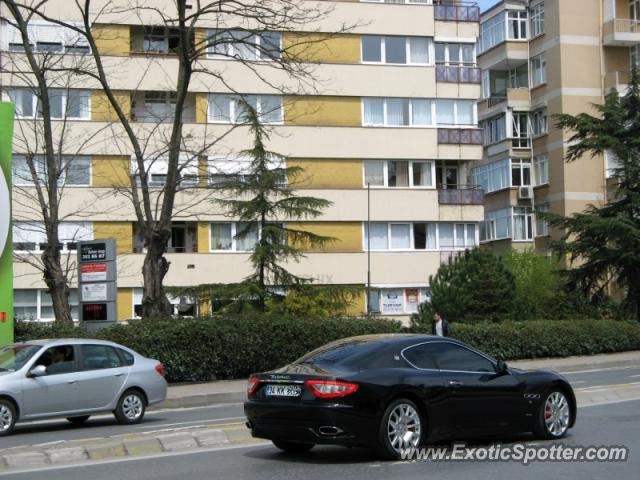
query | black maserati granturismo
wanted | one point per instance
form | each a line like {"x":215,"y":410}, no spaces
{"x":397,"y":392}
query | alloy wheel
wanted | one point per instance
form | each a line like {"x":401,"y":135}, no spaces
{"x":132,"y":407}
{"x":6,"y":418}
{"x":556,"y":414}
{"x":404,"y":428}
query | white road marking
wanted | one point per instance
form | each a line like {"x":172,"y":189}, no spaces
{"x":634,"y":376}
{"x":205,"y":421}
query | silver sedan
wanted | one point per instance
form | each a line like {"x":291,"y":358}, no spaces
{"x":76,"y":379}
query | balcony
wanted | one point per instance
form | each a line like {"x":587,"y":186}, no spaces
{"x":461,"y":195}
{"x":457,"y":74}
{"x":459,"y":136}
{"x":621,"y":32}
{"x":456,"y":11}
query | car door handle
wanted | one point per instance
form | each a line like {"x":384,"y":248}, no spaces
{"x":118,"y":374}
{"x":455,"y":383}
{"x":71,"y":382}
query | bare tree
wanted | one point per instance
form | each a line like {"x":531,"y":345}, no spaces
{"x":238,"y":23}
{"x":41,"y":86}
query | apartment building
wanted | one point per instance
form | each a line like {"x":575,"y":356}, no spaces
{"x":540,"y":58}
{"x":389,"y":135}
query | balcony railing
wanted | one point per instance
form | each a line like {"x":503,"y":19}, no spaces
{"x":459,"y":136}
{"x":456,"y":11}
{"x":461,"y":195}
{"x":521,"y":142}
{"x":457,"y":74}
{"x":615,"y":78}
{"x":626,"y":25}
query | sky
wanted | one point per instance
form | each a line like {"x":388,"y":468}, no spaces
{"x":484,"y":4}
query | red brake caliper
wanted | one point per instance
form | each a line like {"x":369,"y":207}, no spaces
{"x":547,"y":412}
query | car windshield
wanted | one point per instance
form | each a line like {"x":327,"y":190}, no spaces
{"x":14,"y":357}
{"x":339,"y":352}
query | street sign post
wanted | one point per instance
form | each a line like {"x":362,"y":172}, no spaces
{"x":6,"y":247}
{"x":97,"y":283}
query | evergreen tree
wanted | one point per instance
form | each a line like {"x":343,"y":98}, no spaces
{"x":474,"y":286}
{"x":603,"y":243}
{"x":262,"y":199}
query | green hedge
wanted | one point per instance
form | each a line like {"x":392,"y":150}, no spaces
{"x":205,"y":349}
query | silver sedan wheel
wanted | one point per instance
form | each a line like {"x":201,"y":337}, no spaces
{"x":132,"y":407}
{"x":403,"y":428}
{"x":556,"y":414}
{"x":6,"y":418}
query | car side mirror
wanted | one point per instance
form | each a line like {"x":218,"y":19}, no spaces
{"x":37,"y":371}
{"x":501,"y":368}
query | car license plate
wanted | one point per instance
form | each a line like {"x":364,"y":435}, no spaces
{"x":283,"y":391}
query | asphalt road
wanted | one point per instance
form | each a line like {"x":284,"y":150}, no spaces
{"x":615,"y":424}
{"x":42,"y":432}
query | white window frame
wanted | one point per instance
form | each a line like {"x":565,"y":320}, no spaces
{"x":49,"y":33}
{"x":492,"y":133}
{"x":231,"y":47}
{"x":486,"y":172}
{"x":385,"y":170}
{"x":187,"y":170}
{"x":542,"y":226}
{"x":37,"y":230}
{"x":233,"y":108}
{"x":468,"y":242}
{"x":537,"y":20}
{"x":39,"y":165}
{"x":385,"y":113}
{"x":459,"y":62}
{"x":234,"y":241}
{"x":538,"y":70}
{"x":529,"y":222}
{"x":74,"y":301}
{"x":539,"y":122}
{"x":403,"y":2}
{"x":522,"y":165}
{"x":407,"y":46}
{"x":521,"y":19}
{"x":490,"y":222}
{"x":493,"y":32}
{"x":34,"y":104}
{"x":541,"y":169}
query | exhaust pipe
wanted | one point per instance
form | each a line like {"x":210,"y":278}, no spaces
{"x":330,"y":431}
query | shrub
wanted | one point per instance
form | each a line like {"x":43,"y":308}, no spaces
{"x":205,"y":349}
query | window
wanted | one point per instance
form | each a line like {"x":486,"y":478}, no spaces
{"x":519,"y":77}
{"x":455,"y":54}
{"x":537,"y":20}
{"x":47,"y":37}
{"x":541,"y":169}
{"x":99,"y":357}
{"x":58,"y":360}
{"x":233,"y":236}
{"x":520,"y":130}
{"x":613,"y":165}
{"x":542,"y":226}
{"x":397,"y":300}
{"x":229,"y":108}
{"x":244,"y":45}
{"x":181,"y":307}
{"x":522,"y":223}
{"x":395,"y":50}
{"x":539,"y":122}
{"x":160,"y":40}
{"x":157,"y":168}
{"x":420,"y":236}
{"x":74,"y":171}
{"x":31,"y":236}
{"x":495,"y":130}
{"x":520,"y":173}
{"x":421,"y":356}
{"x":63,"y":104}
{"x":634,"y":56}
{"x":538,"y":70}
{"x":159,"y":105}
{"x":517,"y":22}
{"x":492,"y":32}
{"x":399,"y":173}
{"x":492,"y":176}
{"x":634,"y":9}
{"x":451,"y":357}
{"x":224,"y":169}
{"x":496,"y":226}
{"x":396,"y":112}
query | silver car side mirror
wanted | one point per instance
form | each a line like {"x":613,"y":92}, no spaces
{"x":37,"y":371}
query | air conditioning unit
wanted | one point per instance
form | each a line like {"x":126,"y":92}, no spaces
{"x":525,"y":193}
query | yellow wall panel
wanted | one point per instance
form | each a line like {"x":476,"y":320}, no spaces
{"x":101,"y":109}
{"x":122,"y":232}
{"x":203,"y":172}
{"x":111,"y":171}
{"x":322,"y":47}
{"x":112,"y":39}
{"x":330,"y":173}
{"x":323,"y":111}
{"x":200,"y":38}
{"x":125,"y":304}
{"x":202,"y":105}
{"x":203,"y":237}
{"x":358,"y":304}
{"x":348,"y":235}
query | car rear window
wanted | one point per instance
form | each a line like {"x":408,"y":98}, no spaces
{"x":126,"y":357}
{"x":340,"y":352}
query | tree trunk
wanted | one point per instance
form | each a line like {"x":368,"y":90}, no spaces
{"x":57,"y":284}
{"x":154,"y":299}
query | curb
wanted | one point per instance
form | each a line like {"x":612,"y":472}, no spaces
{"x":201,"y":400}
{"x":85,"y":451}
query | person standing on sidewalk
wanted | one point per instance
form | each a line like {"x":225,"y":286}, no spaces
{"x":440,"y":327}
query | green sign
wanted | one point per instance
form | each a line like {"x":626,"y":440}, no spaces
{"x":6,"y":248}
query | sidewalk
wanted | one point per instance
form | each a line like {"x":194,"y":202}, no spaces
{"x":234,"y":391}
